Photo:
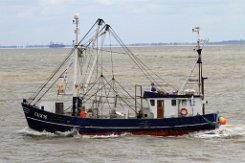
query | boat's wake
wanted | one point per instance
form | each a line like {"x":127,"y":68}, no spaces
{"x":73,"y":133}
{"x":30,"y":132}
{"x":104,"y":136}
{"x":225,"y":132}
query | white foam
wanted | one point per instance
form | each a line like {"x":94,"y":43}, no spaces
{"x":73,"y":133}
{"x":104,"y":136}
{"x":30,"y":132}
{"x":227,"y":131}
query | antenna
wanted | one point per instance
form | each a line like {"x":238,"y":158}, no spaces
{"x":196,"y":29}
{"x":77,"y":30}
{"x":76,"y":101}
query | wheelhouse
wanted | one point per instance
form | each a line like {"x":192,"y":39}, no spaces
{"x":171,"y":105}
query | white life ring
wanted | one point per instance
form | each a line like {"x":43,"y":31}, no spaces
{"x":183,"y":112}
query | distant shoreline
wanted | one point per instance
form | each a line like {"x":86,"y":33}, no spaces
{"x":220,"y":43}
{"x":227,"y":42}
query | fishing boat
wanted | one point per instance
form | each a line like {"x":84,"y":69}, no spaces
{"x":83,"y":95}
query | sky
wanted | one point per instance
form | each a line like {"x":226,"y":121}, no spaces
{"x":135,"y":21}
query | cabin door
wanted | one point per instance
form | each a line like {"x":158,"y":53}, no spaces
{"x":160,"y":108}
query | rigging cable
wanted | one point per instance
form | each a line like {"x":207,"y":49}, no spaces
{"x":184,"y":84}
{"x":99,"y":89}
{"x":115,"y":92}
{"x":59,"y":67}
{"x":135,"y":59}
{"x":107,"y":95}
{"x":112,"y":65}
{"x":48,"y":88}
{"x":95,"y":57}
{"x":97,"y":21}
{"x":52,"y":75}
{"x":144,"y":68}
{"x":125,"y":92}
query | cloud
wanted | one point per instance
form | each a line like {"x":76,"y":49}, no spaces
{"x":144,"y":8}
{"x":51,"y":3}
{"x":105,"y":2}
{"x":220,"y":20}
{"x":121,"y":2}
{"x":54,"y":7}
{"x":28,"y":12}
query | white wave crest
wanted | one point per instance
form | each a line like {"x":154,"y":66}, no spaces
{"x":228,"y":131}
{"x":104,"y":136}
{"x":30,"y":132}
{"x":73,"y":133}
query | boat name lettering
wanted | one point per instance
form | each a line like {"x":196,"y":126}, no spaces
{"x":43,"y":116}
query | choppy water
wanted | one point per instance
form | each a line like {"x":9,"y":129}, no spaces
{"x":21,"y":71}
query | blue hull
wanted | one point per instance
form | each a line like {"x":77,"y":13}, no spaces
{"x":42,"y":120}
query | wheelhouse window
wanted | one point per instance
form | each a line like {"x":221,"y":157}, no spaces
{"x":173,"y":102}
{"x":184,"y":102}
{"x":152,"y":102}
{"x":192,"y":102}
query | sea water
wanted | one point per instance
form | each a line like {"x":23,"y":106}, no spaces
{"x":22,"y":71}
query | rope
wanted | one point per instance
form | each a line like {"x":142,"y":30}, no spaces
{"x":143,"y":67}
{"x":112,"y":65}
{"x":208,"y":121}
{"x":52,"y":75}
{"x":88,"y":32}
{"x":124,"y":99}
{"x":107,"y":96}
{"x":183,"y":86}
{"x":100,"y":88}
{"x":108,"y":87}
{"x":59,"y":67}
{"x":48,"y":88}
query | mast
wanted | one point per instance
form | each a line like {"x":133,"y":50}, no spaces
{"x":200,"y":73}
{"x":76,"y":84}
{"x":199,"y":61}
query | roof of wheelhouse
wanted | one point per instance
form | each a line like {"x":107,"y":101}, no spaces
{"x":149,"y":94}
